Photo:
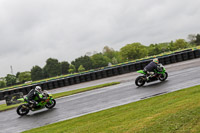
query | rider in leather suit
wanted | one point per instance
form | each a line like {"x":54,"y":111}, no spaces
{"x":149,"y":69}
{"x":33,"y":94}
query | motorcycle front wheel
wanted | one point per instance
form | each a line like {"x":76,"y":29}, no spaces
{"x":21,"y":110}
{"x":140,"y":81}
{"x":51,"y":105}
{"x":163,"y":76}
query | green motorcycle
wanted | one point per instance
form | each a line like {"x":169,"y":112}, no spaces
{"x":48,"y":102}
{"x":159,"y":74}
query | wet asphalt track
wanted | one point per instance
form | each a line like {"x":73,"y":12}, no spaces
{"x":181,"y":75}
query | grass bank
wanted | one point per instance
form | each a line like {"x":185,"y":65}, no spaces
{"x":4,"y":107}
{"x":174,"y":112}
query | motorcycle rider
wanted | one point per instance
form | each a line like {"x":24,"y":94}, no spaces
{"x":149,"y":69}
{"x":33,"y":94}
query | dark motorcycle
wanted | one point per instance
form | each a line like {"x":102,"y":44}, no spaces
{"x":48,"y":102}
{"x":159,"y":74}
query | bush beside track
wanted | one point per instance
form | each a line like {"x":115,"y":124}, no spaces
{"x":173,"y":112}
{"x":122,"y":68}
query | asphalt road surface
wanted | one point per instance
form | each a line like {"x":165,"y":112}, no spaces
{"x":181,"y":75}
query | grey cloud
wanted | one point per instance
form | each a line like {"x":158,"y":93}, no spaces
{"x":32,"y":31}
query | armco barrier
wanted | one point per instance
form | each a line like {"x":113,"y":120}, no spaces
{"x":107,"y":72}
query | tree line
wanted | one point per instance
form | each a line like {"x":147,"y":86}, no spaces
{"x":97,"y":60}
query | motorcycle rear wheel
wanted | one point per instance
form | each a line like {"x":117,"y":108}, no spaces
{"x":140,"y":81}
{"x":22,"y":111}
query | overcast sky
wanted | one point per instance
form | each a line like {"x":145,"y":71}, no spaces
{"x":31,"y":31}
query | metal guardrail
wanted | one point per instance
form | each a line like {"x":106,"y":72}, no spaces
{"x":104,"y":73}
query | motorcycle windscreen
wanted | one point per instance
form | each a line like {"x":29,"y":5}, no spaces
{"x":12,"y":99}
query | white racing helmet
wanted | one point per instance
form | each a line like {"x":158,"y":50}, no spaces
{"x":38,"y":89}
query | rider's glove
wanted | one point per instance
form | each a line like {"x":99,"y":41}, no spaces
{"x":31,"y":102}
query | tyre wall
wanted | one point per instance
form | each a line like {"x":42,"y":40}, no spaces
{"x":104,"y":73}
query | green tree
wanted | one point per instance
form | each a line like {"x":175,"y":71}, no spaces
{"x":10,"y":80}
{"x":192,"y":38}
{"x":64,"y":67}
{"x":99,"y":60}
{"x":85,"y":61}
{"x":133,"y":51}
{"x":109,"y":52}
{"x":118,"y":57}
{"x":72,"y":68}
{"x":2,"y":84}
{"x":163,"y":47}
{"x":52,"y":68}
{"x":36,"y":73}
{"x":155,"y":49}
{"x":197,"y":40}
{"x":114,"y":60}
{"x":17,"y":74}
{"x":179,"y":44}
{"x":112,"y":54}
{"x":24,"y":76}
{"x":81,"y":68}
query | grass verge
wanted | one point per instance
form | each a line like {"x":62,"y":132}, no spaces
{"x":4,"y":107}
{"x":67,"y":93}
{"x":174,"y":112}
